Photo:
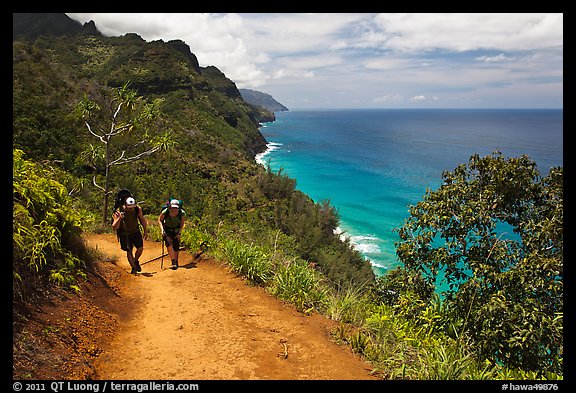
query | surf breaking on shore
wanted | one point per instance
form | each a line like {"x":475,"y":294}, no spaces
{"x":270,"y":147}
{"x":367,"y":245}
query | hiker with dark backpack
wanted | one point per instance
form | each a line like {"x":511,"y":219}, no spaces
{"x":171,"y":222}
{"x":125,"y":221}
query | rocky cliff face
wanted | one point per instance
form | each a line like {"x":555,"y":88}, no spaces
{"x":31,"y":25}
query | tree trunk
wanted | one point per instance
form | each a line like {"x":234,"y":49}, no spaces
{"x":106,"y":182}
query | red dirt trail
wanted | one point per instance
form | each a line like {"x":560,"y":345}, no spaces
{"x":203,"y":322}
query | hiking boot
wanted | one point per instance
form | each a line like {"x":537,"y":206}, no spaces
{"x":134,"y":271}
{"x":137,"y":266}
{"x":174,"y":264}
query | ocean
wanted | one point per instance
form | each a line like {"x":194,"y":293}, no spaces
{"x":372,"y":164}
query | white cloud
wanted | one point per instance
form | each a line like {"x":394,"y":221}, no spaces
{"x":387,"y":63}
{"x":388,"y":98}
{"x":494,"y":59}
{"x":461,"y":32}
{"x":317,"y":56}
{"x":286,"y":33}
{"x":310,"y":62}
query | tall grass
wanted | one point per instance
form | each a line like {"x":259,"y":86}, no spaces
{"x":410,"y":339}
{"x":348,"y":304}
{"x":249,"y":261}
{"x":299,"y":284}
{"x":291,"y":280}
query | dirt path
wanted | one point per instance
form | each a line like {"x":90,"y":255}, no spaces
{"x":203,"y":322}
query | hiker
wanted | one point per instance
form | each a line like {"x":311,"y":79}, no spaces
{"x":125,"y":221}
{"x":171,"y":222}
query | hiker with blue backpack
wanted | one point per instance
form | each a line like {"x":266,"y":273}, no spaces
{"x":171,"y":222}
{"x":125,"y":221}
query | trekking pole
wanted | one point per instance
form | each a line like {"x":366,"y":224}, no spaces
{"x":162,"y":263}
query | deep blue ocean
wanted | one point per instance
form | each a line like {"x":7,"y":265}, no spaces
{"x":372,"y":164}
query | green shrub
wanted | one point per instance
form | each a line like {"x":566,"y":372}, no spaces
{"x":194,"y":238}
{"x":46,"y":229}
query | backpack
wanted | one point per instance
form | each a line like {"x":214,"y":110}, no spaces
{"x":121,"y":198}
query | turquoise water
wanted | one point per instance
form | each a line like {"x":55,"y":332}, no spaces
{"x":372,"y":164}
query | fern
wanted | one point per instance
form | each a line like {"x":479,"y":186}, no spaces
{"x":42,"y":221}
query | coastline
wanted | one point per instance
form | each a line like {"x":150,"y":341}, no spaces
{"x":373,"y":164}
{"x":270,"y":147}
{"x":365,"y":244}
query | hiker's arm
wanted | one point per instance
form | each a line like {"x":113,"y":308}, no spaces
{"x":160,"y":219}
{"x":143,"y":222}
{"x":116,"y":218}
{"x":181,"y":227}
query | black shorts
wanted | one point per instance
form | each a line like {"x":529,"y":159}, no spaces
{"x":127,"y":241}
{"x":171,"y":241}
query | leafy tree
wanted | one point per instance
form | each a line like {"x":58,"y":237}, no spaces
{"x":131,"y":116}
{"x":492,"y":233}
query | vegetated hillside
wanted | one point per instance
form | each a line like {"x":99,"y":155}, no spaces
{"x":212,"y":166}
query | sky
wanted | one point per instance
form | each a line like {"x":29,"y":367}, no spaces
{"x":348,"y":60}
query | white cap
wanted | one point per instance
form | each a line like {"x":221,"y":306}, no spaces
{"x":174,"y":203}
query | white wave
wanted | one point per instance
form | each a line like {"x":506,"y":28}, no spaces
{"x":367,"y":248}
{"x":363,"y":243}
{"x":379,"y":264}
{"x":338,"y":231}
{"x":270,"y":147}
{"x":366,"y":244}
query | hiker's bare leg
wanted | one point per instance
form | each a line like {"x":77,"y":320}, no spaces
{"x":130,"y":258}
{"x":171,"y":252}
{"x":138,"y":253}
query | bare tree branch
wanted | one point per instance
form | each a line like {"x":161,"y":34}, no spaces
{"x":120,"y":160}
{"x":119,"y":130}
{"x":101,"y":137}
{"x":117,"y":111}
{"x":98,"y":186}
{"x":114,"y":162}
